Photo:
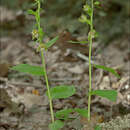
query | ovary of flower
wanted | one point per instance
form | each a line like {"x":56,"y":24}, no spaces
{"x":41,"y":47}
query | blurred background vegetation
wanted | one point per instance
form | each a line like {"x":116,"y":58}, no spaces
{"x":112,"y":18}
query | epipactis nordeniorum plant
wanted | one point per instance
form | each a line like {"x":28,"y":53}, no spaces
{"x":64,"y":91}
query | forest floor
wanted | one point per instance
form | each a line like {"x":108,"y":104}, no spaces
{"x":23,"y":102}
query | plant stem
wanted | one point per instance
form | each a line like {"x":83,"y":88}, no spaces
{"x":90,"y":68}
{"x":38,"y":20}
{"x":47,"y":85}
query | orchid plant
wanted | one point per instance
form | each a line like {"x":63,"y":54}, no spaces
{"x":64,"y":91}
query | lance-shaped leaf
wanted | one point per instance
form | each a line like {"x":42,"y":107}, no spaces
{"x":63,"y":114}
{"x":109,"y":94}
{"x":107,"y":69}
{"x":82,"y":112}
{"x":62,"y":91}
{"x":57,"y":125}
{"x":30,"y":69}
{"x":51,"y":42}
{"x":81,"y":42}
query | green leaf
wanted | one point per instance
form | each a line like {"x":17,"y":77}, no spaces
{"x":31,"y":12}
{"x":97,"y":3}
{"x":82,"y":42}
{"x":51,"y":42}
{"x":62,"y":91}
{"x":107,"y":69}
{"x":109,"y":94}
{"x":63,"y":114}
{"x":98,"y":127}
{"x":82,"y":112}
{"x":30,"y":69}
{"x":57,"y":125}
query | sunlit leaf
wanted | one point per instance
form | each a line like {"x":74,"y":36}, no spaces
{"x":30,"y":69}
{"x":82,"y":42}
{"x":82,"y":112}
{"x":107,"y":69}
{"x":63,"y":114}
{"x":97,"y":3}
{"x":62,"y":91}
{"x":109,"y":94}
{"x":51,"y":42}
{"x":57,"y":125}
